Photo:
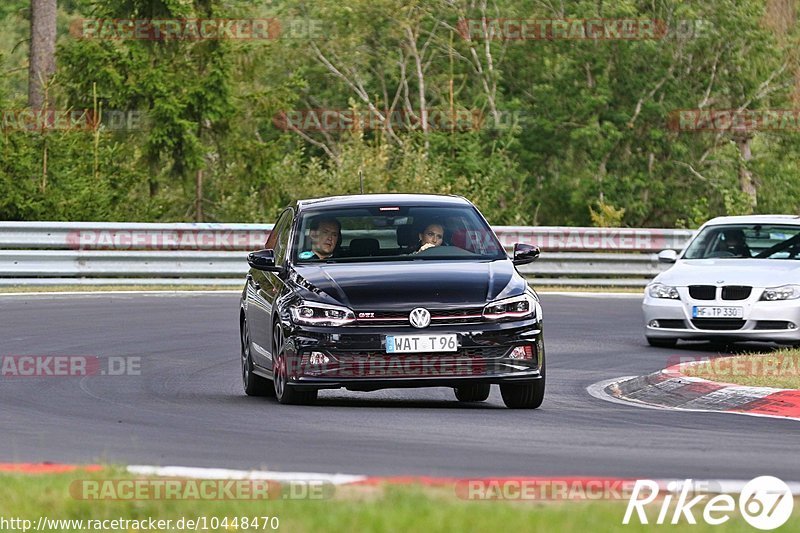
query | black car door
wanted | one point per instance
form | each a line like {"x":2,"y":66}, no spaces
{"x":263,"y":289}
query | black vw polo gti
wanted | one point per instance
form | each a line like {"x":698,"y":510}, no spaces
{"x":393,"y":290}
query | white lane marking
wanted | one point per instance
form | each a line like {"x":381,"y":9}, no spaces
{"x":595,"y":294}
{"x":715,"y":486}
{"x":224,"y":473}
{"x":113,"y":293}
{"x":597,"y":390}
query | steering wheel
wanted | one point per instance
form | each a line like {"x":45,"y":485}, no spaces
{"x":446,"y":251}
{"x":721,"y":253}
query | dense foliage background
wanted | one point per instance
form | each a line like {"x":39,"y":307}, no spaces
{"x":575,"y":132}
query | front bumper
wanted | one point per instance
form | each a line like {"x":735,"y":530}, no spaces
{"x":357,"y":358}
{"x":777,"y":321}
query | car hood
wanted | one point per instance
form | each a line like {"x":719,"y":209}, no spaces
{"x":751,"y":272}
{"x":389,"y":286}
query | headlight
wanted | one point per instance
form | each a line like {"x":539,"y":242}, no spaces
{"x":658,"y":290}
{"x":521,"y":306}
{"x":787,"y":292}
{"x":319,"y":314}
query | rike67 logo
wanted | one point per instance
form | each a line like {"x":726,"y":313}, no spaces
{"x":765,"y":503}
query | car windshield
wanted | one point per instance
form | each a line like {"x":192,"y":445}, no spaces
{"x":736,"y":241}
{"x":391,"y":233}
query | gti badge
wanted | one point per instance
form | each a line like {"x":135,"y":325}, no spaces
{"x":420,"y":317}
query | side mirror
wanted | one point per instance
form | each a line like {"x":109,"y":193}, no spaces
{"x":525,"y":253}
{"x":667,"y":256}
{"x":263,"y":260}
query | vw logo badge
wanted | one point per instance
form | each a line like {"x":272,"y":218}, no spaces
{"x":420,"y":317}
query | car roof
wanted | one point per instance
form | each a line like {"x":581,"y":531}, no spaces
{"x":388,"y":200}
{"x":754,"y":219}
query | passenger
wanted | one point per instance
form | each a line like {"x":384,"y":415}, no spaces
{"x":431,"y":236}
{"x":325,"y":235}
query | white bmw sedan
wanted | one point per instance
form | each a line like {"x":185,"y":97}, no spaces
{"x":738,"y":279}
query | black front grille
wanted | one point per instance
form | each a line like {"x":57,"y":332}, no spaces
{"x":438,"y":317}
{"x":456,"y":313}
{"x":772,"y":324}
{"x":719,"y":324}
{"x":736,"y":292}
{"x":671,"y":324}
{"x":703,"y":292}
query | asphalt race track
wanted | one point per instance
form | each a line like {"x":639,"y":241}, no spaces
{"x":187,"y":407}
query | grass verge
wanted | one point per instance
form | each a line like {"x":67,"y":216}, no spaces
{"x":359,"y":508}
{"x":780,"y":369}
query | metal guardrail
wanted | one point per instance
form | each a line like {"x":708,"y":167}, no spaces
{"x":81,"y":253}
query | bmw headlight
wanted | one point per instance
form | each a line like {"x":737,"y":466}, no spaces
{"x":319,"y":314}
{"x":521,"y":306}
{"x":787,"y":292}
{"x":659,"y":290}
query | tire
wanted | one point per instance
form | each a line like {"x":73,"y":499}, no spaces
{"x":253,"y":385}
{"x":475,"y":392}
{"x":524,"y":395}
{"x":662,"y":343}
{"x":285,"y":393}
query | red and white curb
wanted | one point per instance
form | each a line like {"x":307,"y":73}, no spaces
{"x":670,"y":388}
{"x":580,"y":485}
{"x":45,"y":468}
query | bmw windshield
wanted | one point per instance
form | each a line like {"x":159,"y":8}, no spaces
{"x":392,"y":233}
{"x":736,"y":241}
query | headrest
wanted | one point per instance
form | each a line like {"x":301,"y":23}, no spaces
{"x":407,"y":236}
{"x":364,"y":247}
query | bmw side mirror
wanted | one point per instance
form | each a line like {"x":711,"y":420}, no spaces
{"x":667,"y":256}
{"x":525,"y":253}
{"x":263,"y":260}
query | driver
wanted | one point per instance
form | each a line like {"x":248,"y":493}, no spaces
{"x":735,"y":243}
{"x":431,"y":236}
{"x":325,"y":234}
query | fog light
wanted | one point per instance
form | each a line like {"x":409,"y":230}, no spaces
{"x":522,"y":352}
{"x":654,"y":324}
{"x":791,"y":325}
{"x":318,"y":358}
